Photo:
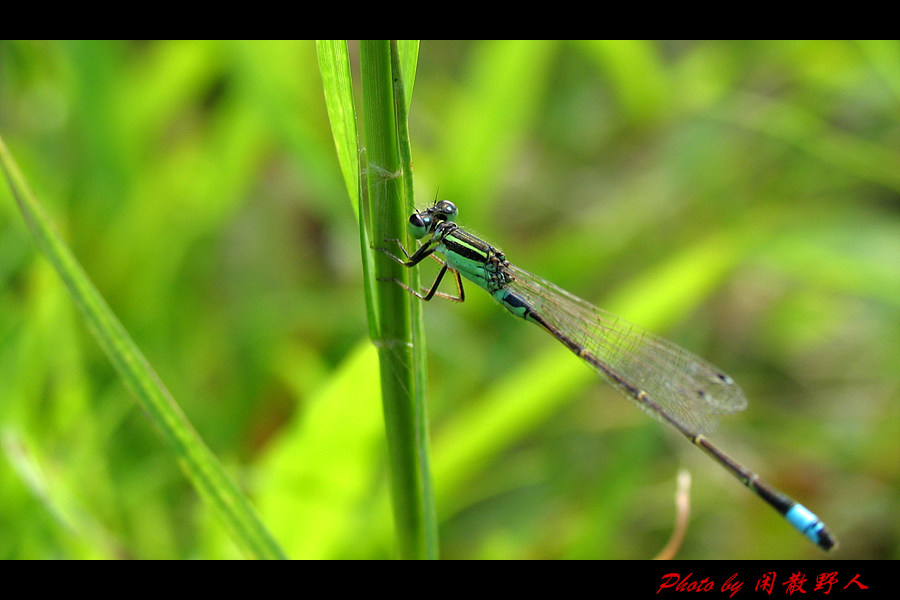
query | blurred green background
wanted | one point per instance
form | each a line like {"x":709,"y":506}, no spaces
{"x":740,"y":198}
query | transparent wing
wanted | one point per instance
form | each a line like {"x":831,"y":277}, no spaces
{"x":687,"y":387}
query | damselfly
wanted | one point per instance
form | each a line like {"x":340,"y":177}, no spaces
{"x":668,"y":382}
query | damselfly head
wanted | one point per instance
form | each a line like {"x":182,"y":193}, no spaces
{"x":423,"y":222}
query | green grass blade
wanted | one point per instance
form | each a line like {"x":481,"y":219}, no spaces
{"x":404,"y":55}
{"x":334,"y":65}
{"x":401,"y":378}
{"x":216,"y":488}
{"x":402,"y":98}
{"x":407,"y":59}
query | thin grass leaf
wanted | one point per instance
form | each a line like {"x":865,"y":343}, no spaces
{"x":385,"y":190}
{"x":403,"y":65}
{"x":407,"y":59}
{"x":400,"y":377}
{"x":216,"y":488}
{"x":334,"y":65}
{"x":402,"y":100}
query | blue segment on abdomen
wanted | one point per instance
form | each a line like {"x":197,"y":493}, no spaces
{"x":513,"y":302}
{"x":805,"y":521}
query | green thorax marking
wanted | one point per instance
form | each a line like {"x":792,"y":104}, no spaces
{"x":475,"y":259}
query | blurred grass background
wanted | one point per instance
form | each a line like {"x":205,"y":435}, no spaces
{"x":740,"y":198}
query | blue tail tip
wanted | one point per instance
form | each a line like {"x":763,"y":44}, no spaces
{"x":811,"y":526}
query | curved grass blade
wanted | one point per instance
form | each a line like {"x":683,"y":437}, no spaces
{"x":334,"y":66}
{"x":216,"y":488}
